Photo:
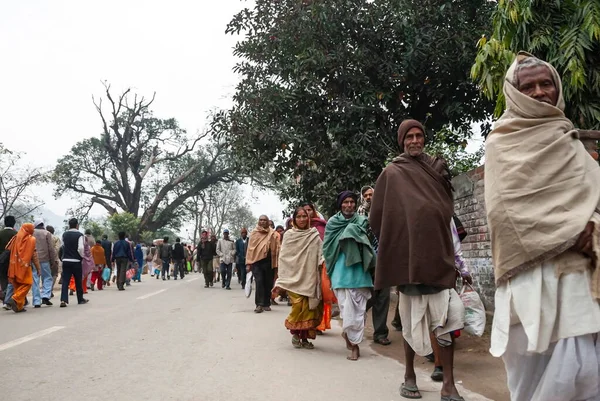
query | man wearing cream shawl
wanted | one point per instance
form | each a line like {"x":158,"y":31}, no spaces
{"x":262,"y":257}
{"x":300,"y":262}
{"x":542,"y":193}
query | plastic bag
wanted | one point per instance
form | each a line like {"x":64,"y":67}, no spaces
{"x":106,"y":274}
{"x":130,"y":273}
{"x":474,"y":311}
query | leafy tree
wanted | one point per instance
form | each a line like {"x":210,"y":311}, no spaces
{"x":99,"y":227}
{"x":325,"y":84}
{"x":16,"y":182}
{"x":124,"y":222}
{"x":140,"y":164}
{"x":565,"y":33}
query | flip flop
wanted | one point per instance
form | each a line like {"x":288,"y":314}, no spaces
{"x":451,"y":398}
{"x":405,"y":391}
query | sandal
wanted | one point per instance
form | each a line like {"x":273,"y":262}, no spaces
{"x":382,"y":341}
{"x":296,"y":342}
{"x":451,"y":398}
{"x":307,"y":344}
{"x":410,"y":392}
{"x":438,"y":374}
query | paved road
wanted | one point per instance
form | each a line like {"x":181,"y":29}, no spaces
{"x":176,"y":340}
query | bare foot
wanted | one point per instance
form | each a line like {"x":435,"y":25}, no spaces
{"x":348,"y":343}
{"x":355,"y":353}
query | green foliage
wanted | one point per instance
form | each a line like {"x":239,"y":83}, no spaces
{"x":125,"y":222}
{"x":325,"y":84}
{"x":564,"y":33}
{"x":99,"y":227}
{"x":448,"y":145}
{"x":241,"y":216}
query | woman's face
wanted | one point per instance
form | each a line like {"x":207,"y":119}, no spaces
{"x":309,"y":211}
{"x":301,"y":219}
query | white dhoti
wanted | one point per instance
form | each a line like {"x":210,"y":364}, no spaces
{"x":545,"y":328}
{"x":441,"y":314}
{"x":353,"y":310}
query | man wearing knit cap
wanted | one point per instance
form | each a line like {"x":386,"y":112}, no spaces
{"x":349,"y":257}
{"x":411,"y":215}
{"x":44,"y":246}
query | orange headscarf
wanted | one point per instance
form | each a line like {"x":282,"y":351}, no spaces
{"x":22,"y":247}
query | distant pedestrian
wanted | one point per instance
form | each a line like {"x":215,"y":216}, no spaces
{"x":122,"y":256}
{"x":23,"y":259}
{"x":178,"y":260}
{"x":205,"y":253}
{"x":44,"y":246}
{"x":99,"y":265}
{"x":241,"y":246}
{"x":216,"y":260}
{"x":72,"y":257}
{"x":6,"y":235}
{"x":226,"y":252}
{"x":138,"y":253}
{"x":55,"y":267}
{"x":165,"y":252}
{"x":262,"y":257}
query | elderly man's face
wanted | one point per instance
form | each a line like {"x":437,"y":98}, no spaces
{"x":537,"y":83}
{"x":368,"y":195}
{"x":348,"y":207}
{"x":414,"y":142}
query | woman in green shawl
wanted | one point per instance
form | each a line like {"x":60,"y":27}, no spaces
{"x":300,"y":261}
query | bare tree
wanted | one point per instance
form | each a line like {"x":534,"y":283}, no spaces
{"x":16,"y":182}
{"x":141,"y":164}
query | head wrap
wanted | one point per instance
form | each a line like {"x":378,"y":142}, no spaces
{"x":405,"y":127}
{"x":344,"y":195}
{"x":37,"y":222}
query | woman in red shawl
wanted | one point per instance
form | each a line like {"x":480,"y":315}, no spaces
{"x":20,"y":274}
{"x":328,"y":297}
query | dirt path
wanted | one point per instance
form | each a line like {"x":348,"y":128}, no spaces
{"x":475,"y":368}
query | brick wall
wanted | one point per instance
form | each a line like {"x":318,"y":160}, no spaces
{"x":470,"y":209}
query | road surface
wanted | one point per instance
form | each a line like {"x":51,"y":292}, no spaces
{"x":176,"y":340}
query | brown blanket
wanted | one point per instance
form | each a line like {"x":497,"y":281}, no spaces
{"x":541,"y":185}
{"x":410,"y":214}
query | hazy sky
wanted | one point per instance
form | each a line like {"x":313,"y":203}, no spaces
{"x":56,"y":53}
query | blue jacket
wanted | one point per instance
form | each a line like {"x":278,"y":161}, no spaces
{"x":240,"y":250}
{"x":122,"y":249}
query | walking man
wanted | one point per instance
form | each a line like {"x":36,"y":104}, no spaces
{"x":226,"y":252}
{"x":122,"y":255}
{"x":178,"y":259}
{"x":349,"y":257}
{"x":205,"y":252}
{"x":165,"y":252}
{"x":542,"y":197}
{"x":411,"y":215}
{"x":241,"y":246}
{"x":380,"y":300}
{"x":73,"y":252}
{"x":55,"y":267}
{"x":44,"y":246}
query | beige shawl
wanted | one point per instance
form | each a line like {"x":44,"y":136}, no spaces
{"x":299,"y":260}
{"x":263,"y":240}
{"x":541,"y":185}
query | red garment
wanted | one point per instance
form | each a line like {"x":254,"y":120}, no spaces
{"x":97,"y":277}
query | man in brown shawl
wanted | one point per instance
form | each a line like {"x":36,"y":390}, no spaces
{"x":411,"y":215}
{"x":542,"y":195}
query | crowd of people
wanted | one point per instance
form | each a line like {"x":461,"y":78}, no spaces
{"x":542,"y":199}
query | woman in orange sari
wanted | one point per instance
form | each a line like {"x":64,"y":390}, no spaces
{"x":20,"y":274}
